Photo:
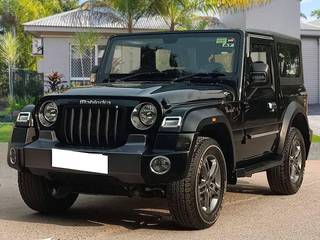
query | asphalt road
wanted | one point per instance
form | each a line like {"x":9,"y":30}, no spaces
{"x":250,"y":211}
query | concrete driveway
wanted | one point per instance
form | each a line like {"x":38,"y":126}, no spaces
{"x":314,"y":118}
{"x":250,"y":211}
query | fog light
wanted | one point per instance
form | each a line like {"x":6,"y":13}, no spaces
{"x":13,"y":156}
{"x":160,"y":165}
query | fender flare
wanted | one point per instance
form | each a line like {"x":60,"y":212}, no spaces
{"x":198,"y":119}
{"x":291,"y":112}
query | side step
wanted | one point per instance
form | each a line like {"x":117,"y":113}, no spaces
{"x":262,"y":165}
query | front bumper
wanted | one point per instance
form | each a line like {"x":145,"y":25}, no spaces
{"x":128,"y":163}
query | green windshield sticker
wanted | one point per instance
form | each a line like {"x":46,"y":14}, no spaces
{"x":221,"y":40}
{"x":228,"y":45}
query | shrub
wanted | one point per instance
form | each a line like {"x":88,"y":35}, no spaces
{"x":54,"y":81}
{"x":18,"y":103}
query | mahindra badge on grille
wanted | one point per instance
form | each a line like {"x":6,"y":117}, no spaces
{"x":95,"y":102}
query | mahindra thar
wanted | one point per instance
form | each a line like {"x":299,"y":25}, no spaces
{"x":177,"y":115}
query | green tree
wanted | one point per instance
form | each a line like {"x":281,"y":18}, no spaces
{"x":67,"y":5}
{"x":175,"y":12}
{"x":16,"y":12}
{"x":128,"y":11}
{"x":9,"y":54}
{"x":316,"y":13}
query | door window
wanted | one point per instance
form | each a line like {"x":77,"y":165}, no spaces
{"x":262,"y":53}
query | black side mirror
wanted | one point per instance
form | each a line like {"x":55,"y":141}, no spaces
{"x":93,"y":76}
{"x":259,"y":74}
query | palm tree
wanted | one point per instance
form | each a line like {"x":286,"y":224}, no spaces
{"x":175,"y":12}
{"x":128,"y":11}
{"x":85,"y":43}
{"x":9,"y":54}
{"x":316,"y":13}
{"x":228,"y":5}
{"x":178,"y":12}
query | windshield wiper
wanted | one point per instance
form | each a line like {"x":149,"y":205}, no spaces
{"x":135,"y":75}
{"x":199,"y":76}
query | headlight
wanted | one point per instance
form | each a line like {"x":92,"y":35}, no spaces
{"x":144,"y":116}
{"x":48,"y":113}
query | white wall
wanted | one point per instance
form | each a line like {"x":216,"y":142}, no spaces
{"x":281,"y":16}
{"x":56,"y":55}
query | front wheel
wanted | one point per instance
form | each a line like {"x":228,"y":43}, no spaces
{"x":41,"y":195}
{"x":195,"y":201}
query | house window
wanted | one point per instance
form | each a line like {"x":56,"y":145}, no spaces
{"x":82,"y":62}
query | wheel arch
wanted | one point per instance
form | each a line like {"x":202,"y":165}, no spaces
{"x":294,"y":116}
{"x":214,"y":124}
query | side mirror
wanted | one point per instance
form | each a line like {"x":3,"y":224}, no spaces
{"x":259,"y":74}
{"x":93,"y":76}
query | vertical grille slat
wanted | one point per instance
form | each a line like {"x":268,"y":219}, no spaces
{"x":107,"y":125}
{"x":71,"y":124}
{"x":89,"y":126}
{"x":115,"y":130}
{"x":92,"y":126}
{"x":65,"y":126}
{"x":98,"y":126}
{"x":80,"y":125}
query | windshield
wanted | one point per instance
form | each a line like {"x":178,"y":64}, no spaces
{"x":170,"y":57}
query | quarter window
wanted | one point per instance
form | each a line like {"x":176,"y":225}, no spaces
{"x":289,"y":60}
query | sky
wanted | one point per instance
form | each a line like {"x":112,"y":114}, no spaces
{"x":308,"y":5}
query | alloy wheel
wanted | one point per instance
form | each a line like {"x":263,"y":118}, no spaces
{"x":209,"y":183}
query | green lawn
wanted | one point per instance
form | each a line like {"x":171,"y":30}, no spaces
{"x":316,"y":138}
{"x":5,"y":132}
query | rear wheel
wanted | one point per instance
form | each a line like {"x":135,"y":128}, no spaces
{"x":195,"y":201}
{"x":41,"y":195}
{"x":287,"y":178}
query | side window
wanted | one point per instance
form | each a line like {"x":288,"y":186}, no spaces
{"x":262,"y":53}
{"x":289,"y":60}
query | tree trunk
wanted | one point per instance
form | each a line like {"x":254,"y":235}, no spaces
{"x":82,"y":68}
{"x":130,"y":25}
{"x":10,"y":82}
{"x":172,"y":26}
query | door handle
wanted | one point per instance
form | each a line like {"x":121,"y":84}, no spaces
{"x":272,"y":106}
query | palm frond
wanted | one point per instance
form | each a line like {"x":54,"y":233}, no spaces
{"x":9,"y":48}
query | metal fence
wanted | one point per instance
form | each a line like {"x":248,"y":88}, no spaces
{"x":27,"y":84}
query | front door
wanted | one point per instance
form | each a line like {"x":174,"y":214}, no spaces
{"x":261,"y":107}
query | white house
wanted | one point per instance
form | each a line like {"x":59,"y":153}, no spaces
{"x":59,"y":52}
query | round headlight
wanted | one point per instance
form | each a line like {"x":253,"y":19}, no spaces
{"x":48,"y":114}
{"x":144,"y":116}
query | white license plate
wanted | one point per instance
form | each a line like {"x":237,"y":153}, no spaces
{"x":87,"y":162}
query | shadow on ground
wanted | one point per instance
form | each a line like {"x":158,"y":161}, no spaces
{"x":130,"y":213}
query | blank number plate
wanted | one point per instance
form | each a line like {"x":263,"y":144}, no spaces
{"x":87,"y":162}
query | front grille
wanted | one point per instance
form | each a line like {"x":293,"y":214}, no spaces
{"x":94,"y":126}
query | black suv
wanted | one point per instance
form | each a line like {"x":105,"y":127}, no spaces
{"x":176,"y":115}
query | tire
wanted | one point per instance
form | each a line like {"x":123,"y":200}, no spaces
{"x":287,"y":178}
{"x":185,"y":199}
{"x":38,"y":193}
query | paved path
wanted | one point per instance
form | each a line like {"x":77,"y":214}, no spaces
{"x":314,"y":118}
{"x":250,"y":211}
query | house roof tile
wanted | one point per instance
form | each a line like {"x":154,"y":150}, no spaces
{"x":96,"y":18}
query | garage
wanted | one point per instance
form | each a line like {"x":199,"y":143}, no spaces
{"x":310,"y":35}
{"x":310,"y":53}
